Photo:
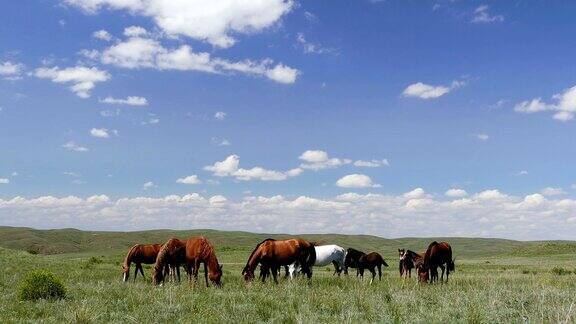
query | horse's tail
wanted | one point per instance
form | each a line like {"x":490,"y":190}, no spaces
{"x":428,"y":253}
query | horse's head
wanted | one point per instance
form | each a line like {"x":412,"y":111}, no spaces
{"x":248,"y":274}
{"x":216,"y":276}
{"x":125,"y":272}
{"x":401,"y":254}
{"x":157,"y":276}
{"x":423,"y":273}
{"x":451,"y":264}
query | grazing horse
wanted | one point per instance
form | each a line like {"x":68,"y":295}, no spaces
{"x":408,"y":261}
{"x":200,"y":250}
{"x":371,"y":261}
{"x":171,"y":256}
{"x":273,"y":254}
{"x":352,"y":260}
{"x":138,"y":254}
{"x":325,"y":254}
{"x":437,"y":255}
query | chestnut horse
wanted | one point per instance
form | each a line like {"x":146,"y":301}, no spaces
{"x":273,"y":254}
{"x":138,"y":254}
{"x":408,"y":261}
{"x":200,"y":250}
{"x":371,"y":261}
{"x":171,"y":256}
{"x":437,"y":255}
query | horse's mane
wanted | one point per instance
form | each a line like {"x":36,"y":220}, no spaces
{"x":428,"y":252}
{"x":207,"y":250}
{"x":129,"y":255}
{"x":354,"y":251}
{"x":255,"y":249}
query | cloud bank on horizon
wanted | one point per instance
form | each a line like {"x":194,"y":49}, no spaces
{"x":277,"y":116}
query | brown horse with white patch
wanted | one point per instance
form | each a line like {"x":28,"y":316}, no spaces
{"x":437,"y":255}
{"x":138,"y":254}
{"x":200,"y":250}
{"x":272,"y":254}
{"x":171,"y":256}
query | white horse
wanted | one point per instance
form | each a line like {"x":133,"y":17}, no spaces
{"x":325,"y":254}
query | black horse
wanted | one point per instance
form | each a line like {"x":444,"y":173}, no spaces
{"x":352,"y":260}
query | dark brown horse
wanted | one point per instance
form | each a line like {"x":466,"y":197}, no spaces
{"x":437,"y":255}
{"x":352,"y":260}
{"x":371,"y":261}
{"x":408,"y":261}
{"x":272,"y":254}
{"x":200,"y":250}
{"x":138,"y":254}
{"x":172,"y":255}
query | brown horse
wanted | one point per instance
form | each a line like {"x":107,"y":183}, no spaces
{"x":200,"y":250}
{"x":138,"y":254}
{"x":437,"y":255}
{"x":408,"y":261}
{"x":371,"y":261}
{"x":272,"y":254}
{"x":171,"y":256}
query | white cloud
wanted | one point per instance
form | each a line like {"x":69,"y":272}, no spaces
{"x":220,"y":141}
{"x":4,"y":181}
{"x":530,"y":217}
{"x":99,"y":132}
{"x":483,"y":137}
{"x":135,"y":31}
{"x":139,"y":52}
{"x":212,"y":21}
{"x":456,"y":193}
{"x":482,"y":15}
{"x":220,"y":115}
{"x":81,"y":78}
{"x":356,"y":181}
{"x":102,"y":35}
{"x":318,"y":160}
{"x":151,"y":121}
{"x":311,"y":48}
{"x":148,"y":185}
{"x":550,"y":191}
{"x":230,"y":168}
{"x":426,"y":91}
{"x":11,"y":71}
{"x":192,"y":179}
{"x":71,"y":174}
{"x":522,"y":173}
{"x":372,"y":163}
{"x":74,"y":147}
{"x":564,"y":107}
{"x":130,"y":101}
{"x":415,"y":194}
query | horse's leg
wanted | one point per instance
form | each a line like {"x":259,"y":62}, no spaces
{"x":410,"y":273}
{"x":141,"y":271}
{"x":275,"y":271}
{"x":196,"y":269}
{"x":380,"y":272}
{"x":206,"y":273}
{"x":442,"y":277}
{"x":373,"y":272}
{"x":178,"y":272}
{"x":135,"y":271}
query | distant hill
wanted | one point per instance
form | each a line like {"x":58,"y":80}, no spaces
{"x":60,"y":241}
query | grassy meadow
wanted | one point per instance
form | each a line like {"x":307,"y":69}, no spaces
{"x":495,"y":281}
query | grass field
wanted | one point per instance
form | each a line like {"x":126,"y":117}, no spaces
{"x":495,"y":281}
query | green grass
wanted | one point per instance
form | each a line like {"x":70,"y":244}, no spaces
{"x":495,"y":281}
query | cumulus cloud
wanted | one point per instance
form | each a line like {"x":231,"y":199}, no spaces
{"x":148,"y":185}
{"x":318,"y":160}
{"x":455,"y":193}
{"x":10,"y":70}
{"x":81,"y":78}
{"x":139,"y":52}
{"x":482,"y":15}
{"x":550,"y":191}
{"x":563,"y":107}
{"x":220,"y":115}
{"x":99,"y":133}
{"x":4,"y":181}
{"x":356,"y":181}
{"x":74,"y":147}
{"x":192,"y":179}
{"x":102,"y":35}
{"x":211,"y":21}
{"x":220,"y":141}
{"x":130,"y":101}
{"x":426,"y":91}
{"x":517,"y":217}
{"x":372,"y":163}
{"x":229,"y":167}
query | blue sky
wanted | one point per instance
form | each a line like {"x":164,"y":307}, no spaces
{"x":319,"y":101}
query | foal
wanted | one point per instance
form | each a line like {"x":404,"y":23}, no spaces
{"x":371,"y":261}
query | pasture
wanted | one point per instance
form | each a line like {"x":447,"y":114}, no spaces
{"x":495,"y":280}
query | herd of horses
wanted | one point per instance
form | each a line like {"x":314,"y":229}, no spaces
{"x":296,"y":256}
